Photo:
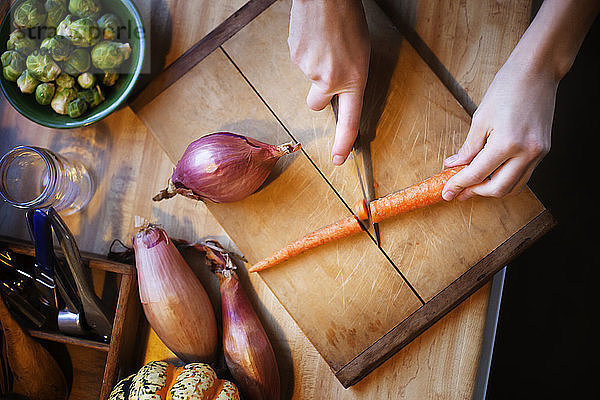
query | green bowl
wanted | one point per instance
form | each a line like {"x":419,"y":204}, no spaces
{"x":115,"y":95}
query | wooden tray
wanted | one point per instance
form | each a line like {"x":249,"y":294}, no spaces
{"x":96,"y":365}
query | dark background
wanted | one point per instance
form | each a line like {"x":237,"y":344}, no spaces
{"x":546,"y":343}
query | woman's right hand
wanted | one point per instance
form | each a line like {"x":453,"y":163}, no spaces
{"x":329,"y":41}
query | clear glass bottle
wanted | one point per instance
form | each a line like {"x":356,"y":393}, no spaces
{"x":34,"y":177}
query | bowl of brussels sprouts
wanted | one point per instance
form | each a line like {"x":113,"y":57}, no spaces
{"x":70,"y":63}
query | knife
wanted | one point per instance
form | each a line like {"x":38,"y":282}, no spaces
{"x":368,"y":195}
{"x":43,"y":269}
{"x":47,"y":267}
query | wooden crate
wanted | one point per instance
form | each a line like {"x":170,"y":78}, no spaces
{"x":96,"y":365}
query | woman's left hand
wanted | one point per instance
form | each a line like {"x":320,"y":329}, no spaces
{"x":509,"y":135}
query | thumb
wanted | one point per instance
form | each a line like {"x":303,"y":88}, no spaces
{"x":473,"y":144}
{"x":317,"y":98}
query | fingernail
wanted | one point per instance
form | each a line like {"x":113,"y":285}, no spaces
{"x":448,"y":195}
{"x":336,"y":159}
{"x":451,"y":159}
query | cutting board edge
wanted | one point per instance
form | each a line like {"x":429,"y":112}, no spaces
{"x":445,"y":301}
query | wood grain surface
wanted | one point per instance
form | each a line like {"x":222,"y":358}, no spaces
{"x":472,"y":39}
{"x":439,"y":364}
{"x":414,"y":122}
{"x":186,"y":22}
{"x":268,"y":220}
{"x":198,"y":51}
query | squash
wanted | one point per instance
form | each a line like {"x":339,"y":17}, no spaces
{"x":159,"y":380}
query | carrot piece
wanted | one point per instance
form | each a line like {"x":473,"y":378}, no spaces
{"x":360,"y":209}
{"x":425,"y":193}
{"x":341,"y":229}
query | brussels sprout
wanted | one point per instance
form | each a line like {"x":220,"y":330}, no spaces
{"x":86,"y":80}
{"x":56,"y":10}
{"x":44,"y":93}
{"x":62,"y":98}
{"x":27,"y":82}
{"x":110,"y":25}
{"x":19,"y":41}
{"x":84,"y":8}
{"x":41,"y":65}
{"x":61,"y":29}
{"x":13,"y":65}
{"x":92,"y":96}
{"x":29,"y":14}
{"x":78,"y":62}
{"x":65,"y":81}
{"x":77,"y":107}
{"x":110,"y":55}
{"x":59,"y":47}
{"x":84,"y":32}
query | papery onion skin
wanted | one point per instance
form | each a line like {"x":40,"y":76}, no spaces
{"x":174,"y":301}
{"x":248,"y":351}
{"x":224,"y":167}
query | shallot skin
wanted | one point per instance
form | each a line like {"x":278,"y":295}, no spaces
{"x":224,"y":167}
{"x":174,"y":301}
{"x":248,"y":352}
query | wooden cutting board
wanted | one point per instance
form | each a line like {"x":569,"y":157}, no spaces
{"x":356,"y":303}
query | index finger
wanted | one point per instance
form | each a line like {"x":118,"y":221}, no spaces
{"x":350,"y":108}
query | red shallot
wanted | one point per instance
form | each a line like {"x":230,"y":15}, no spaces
{"x":248,"y":351}
{"x":224,"y":167}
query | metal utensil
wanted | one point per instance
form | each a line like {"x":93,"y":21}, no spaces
{"x":368,"y":195}
{"x":96,"y":316}
{"x":44,"y":256}
{"x":12,"y":263}
{"x":13,"y":296}
{"x":15,"y":285}
{"x":69,"y":319}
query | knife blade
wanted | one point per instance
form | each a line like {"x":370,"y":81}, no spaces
{"x":368,"y":195}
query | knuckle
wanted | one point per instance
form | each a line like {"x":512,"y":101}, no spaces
{"x":537,"y":148}
{"x":472,"y":176}
{"x":514,"y":146}
{"x":328,"y":80}
{"x":311,"y":75}
{"x":499,"y":190}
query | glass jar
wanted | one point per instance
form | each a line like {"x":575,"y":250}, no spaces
{"x":34,"y":177}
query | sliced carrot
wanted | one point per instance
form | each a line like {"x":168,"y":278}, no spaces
{"x":425,"y":193}
{"x":360,"y":209}
{"x":343,"y":228}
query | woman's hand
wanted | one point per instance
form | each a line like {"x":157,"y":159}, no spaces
{"x":510,"y":131}
{"x":329,"y":41}
{"x":509,"y":135}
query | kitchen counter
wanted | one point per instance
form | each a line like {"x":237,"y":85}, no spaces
{"x":129,"y":167}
